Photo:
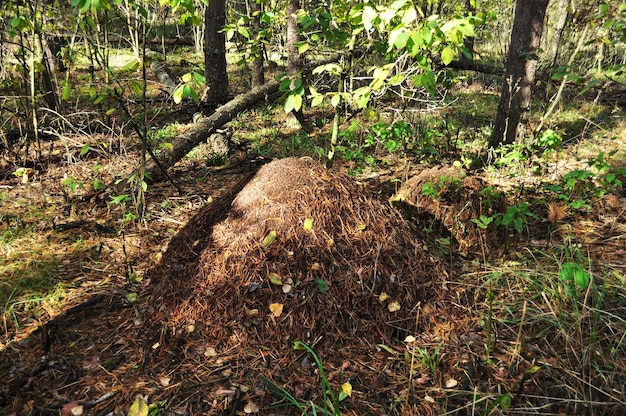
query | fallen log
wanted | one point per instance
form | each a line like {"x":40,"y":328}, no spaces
{"x":204,"y":127}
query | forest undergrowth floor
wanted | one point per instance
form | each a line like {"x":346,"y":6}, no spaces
{"x":529,"y":322}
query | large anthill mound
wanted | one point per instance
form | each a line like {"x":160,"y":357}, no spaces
{"x":302,"y":253}
{"x":454,"y":199}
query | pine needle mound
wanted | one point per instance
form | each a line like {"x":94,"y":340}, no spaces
{"x":300,"y":254}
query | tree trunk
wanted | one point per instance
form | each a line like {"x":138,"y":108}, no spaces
{"x":295,"y":119}
{"x":215,"y":53}
{"x":258,"y":75}
{"x":553,"y":36}
{"x":207,"y":126}
{"x":519,"y":75}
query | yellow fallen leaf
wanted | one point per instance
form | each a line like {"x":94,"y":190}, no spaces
{"x":393,"y":306}
{"x":276,"y":309}
{"x":409,"y":339}
{"x":138,"y":408}
{"x":347,"y":388}
{"x":308,"y":224}
{"x":383,"y":297}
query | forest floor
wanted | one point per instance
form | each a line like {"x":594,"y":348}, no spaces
{"x":527,"y":314}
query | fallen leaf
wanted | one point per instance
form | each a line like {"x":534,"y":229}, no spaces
{"x":393,"y":306}
{"x":269,"y":238}
{"x":165,"y":381}
{"x":429,"y":399}
{"x":138,"y":408}
{"x":251,"y":408}
{"x":210,"y":352}
{"x":275,"y":279}
{"x":422,"y":379}
{"x":276,"y":309}
{"x":308,"y":224}
{"x":383,"y":297}
{"x":451,"y":383}
{"x":287,"y":288}
{"x":91,"y":364}
{"x":409,"y":339}
{"x":345,"y":365}
{"x":347,"y":388}
{"x":72,"y":408}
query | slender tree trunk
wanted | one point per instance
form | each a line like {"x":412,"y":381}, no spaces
{"x":521,"y":63}
{"x":215,"y":53}
{"x":258,"y":74}
{"x":295,"y":119}
{"x":558,"y":16}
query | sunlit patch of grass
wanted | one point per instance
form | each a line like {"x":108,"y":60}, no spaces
{"x":553,"y":343}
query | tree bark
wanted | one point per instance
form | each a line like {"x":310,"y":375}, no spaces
{"x":295,"y":119}
{"x":519,"y":76}
{"x":553,"y":37}
{"x":215,"y":53}
{"x":258,"y":74}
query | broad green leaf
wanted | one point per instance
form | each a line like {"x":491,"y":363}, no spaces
{"x":368,"y":16}
{"x":410,"y":16}
{"x":178,"y":95}
{"x":199,"y":78}
{"x":447,"y":55}
{"x":132,"y":298}
{"x":290,"y":104}
{"x":317,"y":100}
{"x":66,"y":92}
{"x":308,"y":224}
{"x":401,"y":40}
{"x":84,"y":149}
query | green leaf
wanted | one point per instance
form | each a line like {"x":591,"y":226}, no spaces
{"x":269,"y":238}
{"x":84,"y":150}
{"x":178,"y":94}
{"x":308,"y":224}
{"x":290,"y":103}
{"x":322,"y":285}
{"x":275,"y":279}
{"x":575,"y":273}
{"x":132,"y":298}
{"x":335,"y":99}
{"x":386,"y":348}
{"x":368,"y":16}
{"x":66,"y":92}
{"x":447,"y":55}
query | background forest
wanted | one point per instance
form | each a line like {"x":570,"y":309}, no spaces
{"x":490,"y":135}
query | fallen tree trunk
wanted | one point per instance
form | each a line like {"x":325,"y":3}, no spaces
{"x":206,"y":126}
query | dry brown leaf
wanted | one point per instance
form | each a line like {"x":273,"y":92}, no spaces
{"x":557,"y":211}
